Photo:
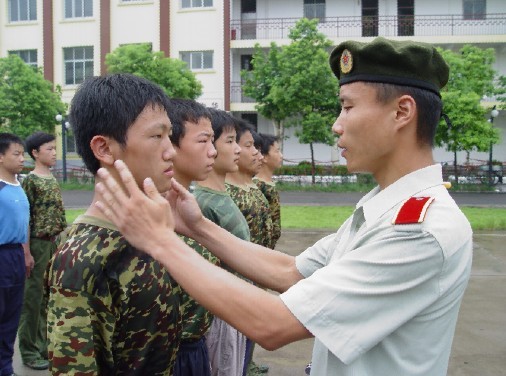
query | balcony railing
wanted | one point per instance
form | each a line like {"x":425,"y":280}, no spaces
{"x":236,"y":94}
{"x":387,"y":26}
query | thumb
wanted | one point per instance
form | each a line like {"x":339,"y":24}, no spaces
{"x":151,"y":191}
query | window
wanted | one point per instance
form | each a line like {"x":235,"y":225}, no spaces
{"x":248,"y":6}
{"x":78,"y":62}
{"x":197,"y":60}
{"x":369,"y":18}
{"x":475,"y":9}
{"x":406,"y":14}
{"x":78,"y":8}
{"x":196,"y":3}
{"x":314,"y":9}
{"x":28,"y":56}
{"x":22,"y":10}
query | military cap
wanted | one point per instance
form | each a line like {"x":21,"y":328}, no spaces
{"x":404,"y":63}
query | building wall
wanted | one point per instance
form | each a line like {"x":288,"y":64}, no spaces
{"x":204,"y":29}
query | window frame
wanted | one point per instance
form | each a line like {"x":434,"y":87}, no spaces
{"x":193,"y":55}
{"x":193,"y":4}
{"x":79,"y":64}
{"x":74,"y":5}
{"x":31,"y":53}
{"x":469,"y":9}
{"x":31,"y":11}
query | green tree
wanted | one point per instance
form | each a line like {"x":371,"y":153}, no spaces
{"x":258,"y":84}
{"x":173,"y":75}
{"x":471,"y":78}
{"x":28,"y":102}
{"x":294,"y":86}
{"x":308,"y":88}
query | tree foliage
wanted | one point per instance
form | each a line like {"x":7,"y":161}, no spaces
{"x":294,"y":85}
{"x":28,"y":102}
{"x":471,"y":78}
{"x":173,"y":75}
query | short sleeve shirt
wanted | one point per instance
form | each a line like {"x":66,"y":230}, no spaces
{"x":271,"y":193}
{"x":47,"y":214}
{"x":14,"y":214}
{"x":255,"y":208}
{"x":382,"y":298}
{"x":112,"y":309}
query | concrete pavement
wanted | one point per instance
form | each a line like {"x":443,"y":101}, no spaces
{"x":479,"y":347}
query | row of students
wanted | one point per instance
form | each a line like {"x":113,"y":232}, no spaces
{"x":113,"y":310}
{"x":31,"y":218}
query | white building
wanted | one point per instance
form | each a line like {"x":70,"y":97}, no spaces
{"x":70,"y":38}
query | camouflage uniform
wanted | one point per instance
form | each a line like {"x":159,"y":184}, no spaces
{"x":226,"y":345}
{"x":272,"y":195}
{"x":47,"y":220}
{"x":113,"y":310}
{"x":196,"y":319}
{"x":255,"y":208}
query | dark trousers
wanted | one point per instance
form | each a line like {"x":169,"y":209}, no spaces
{"x":250,"y":346}
{"x":192,"y":359}
{"x":12,"y":281}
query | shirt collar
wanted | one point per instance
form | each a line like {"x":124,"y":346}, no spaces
{"x":377,"y":202}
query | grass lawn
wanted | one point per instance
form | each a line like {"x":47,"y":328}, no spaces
{"x":333,"y":216}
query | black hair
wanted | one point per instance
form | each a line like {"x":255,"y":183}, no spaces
{"x":221,"y":122}
{"x":7,"y":139}
{"x":108,"y":106}
{"x":267,"y":141}
{"x":36,"y":140}
{"x":429,"y":106}
{"x":182,"y":111}
{"x":243,"y":126}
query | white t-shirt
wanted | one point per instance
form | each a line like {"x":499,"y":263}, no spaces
{"x":382,"y":298}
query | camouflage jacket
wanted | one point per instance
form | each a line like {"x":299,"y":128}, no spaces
{"x":112,"y":309}
{"x":47,"y":214}
{"x":196,"y":319}
{"x":255,"y":208}
{"x":272,"y":195}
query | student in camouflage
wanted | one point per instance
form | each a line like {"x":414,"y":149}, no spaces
{"x":273,"y":158}
{"x":253,"y":205}
{"x":226,"y":345}
{"x":243,"y":190}
{"x":47,"y":220}
{"x":112,"y":309}
{"x":192,"y":137}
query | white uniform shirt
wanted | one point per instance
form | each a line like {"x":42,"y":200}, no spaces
{"x":381,"y":298}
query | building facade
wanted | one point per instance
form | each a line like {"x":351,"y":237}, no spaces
{"x":69,"y":39}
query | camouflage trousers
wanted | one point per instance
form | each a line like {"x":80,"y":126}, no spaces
{"x":32,"y":332}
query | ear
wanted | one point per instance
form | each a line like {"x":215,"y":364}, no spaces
{"x":406,"y":110}
{"x":102,"y":149}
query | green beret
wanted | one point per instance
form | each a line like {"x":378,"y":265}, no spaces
{"x":404,"y":63}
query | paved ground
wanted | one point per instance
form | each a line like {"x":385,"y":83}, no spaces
{"x":479,"y":346}
{"x":480,"y":341}
{"x":81,"y":199}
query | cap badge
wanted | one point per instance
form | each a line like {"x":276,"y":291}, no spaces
{"x":346,"y":61}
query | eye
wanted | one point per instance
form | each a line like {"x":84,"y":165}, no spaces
{"x":157,"y":136}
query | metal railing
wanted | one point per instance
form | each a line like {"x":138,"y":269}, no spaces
{"x":237,"y":95}
{"x":388,"y":26}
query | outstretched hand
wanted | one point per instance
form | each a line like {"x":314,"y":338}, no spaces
{"x":139,"y":217}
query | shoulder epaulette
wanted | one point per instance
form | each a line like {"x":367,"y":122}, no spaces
{"x":413,"y":210}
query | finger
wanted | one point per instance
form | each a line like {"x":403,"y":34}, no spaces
{"x":152,"y":192}
{"x":127,"y":178}
{"x":108,"y":201}
{"x":105,"y":210}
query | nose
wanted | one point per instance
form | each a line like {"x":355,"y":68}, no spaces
{"x":169,"y":151}
{"x":337,"y":128}
{"x":212,"y":151}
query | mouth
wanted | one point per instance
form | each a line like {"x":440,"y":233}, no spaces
{"x":169,"y":172}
